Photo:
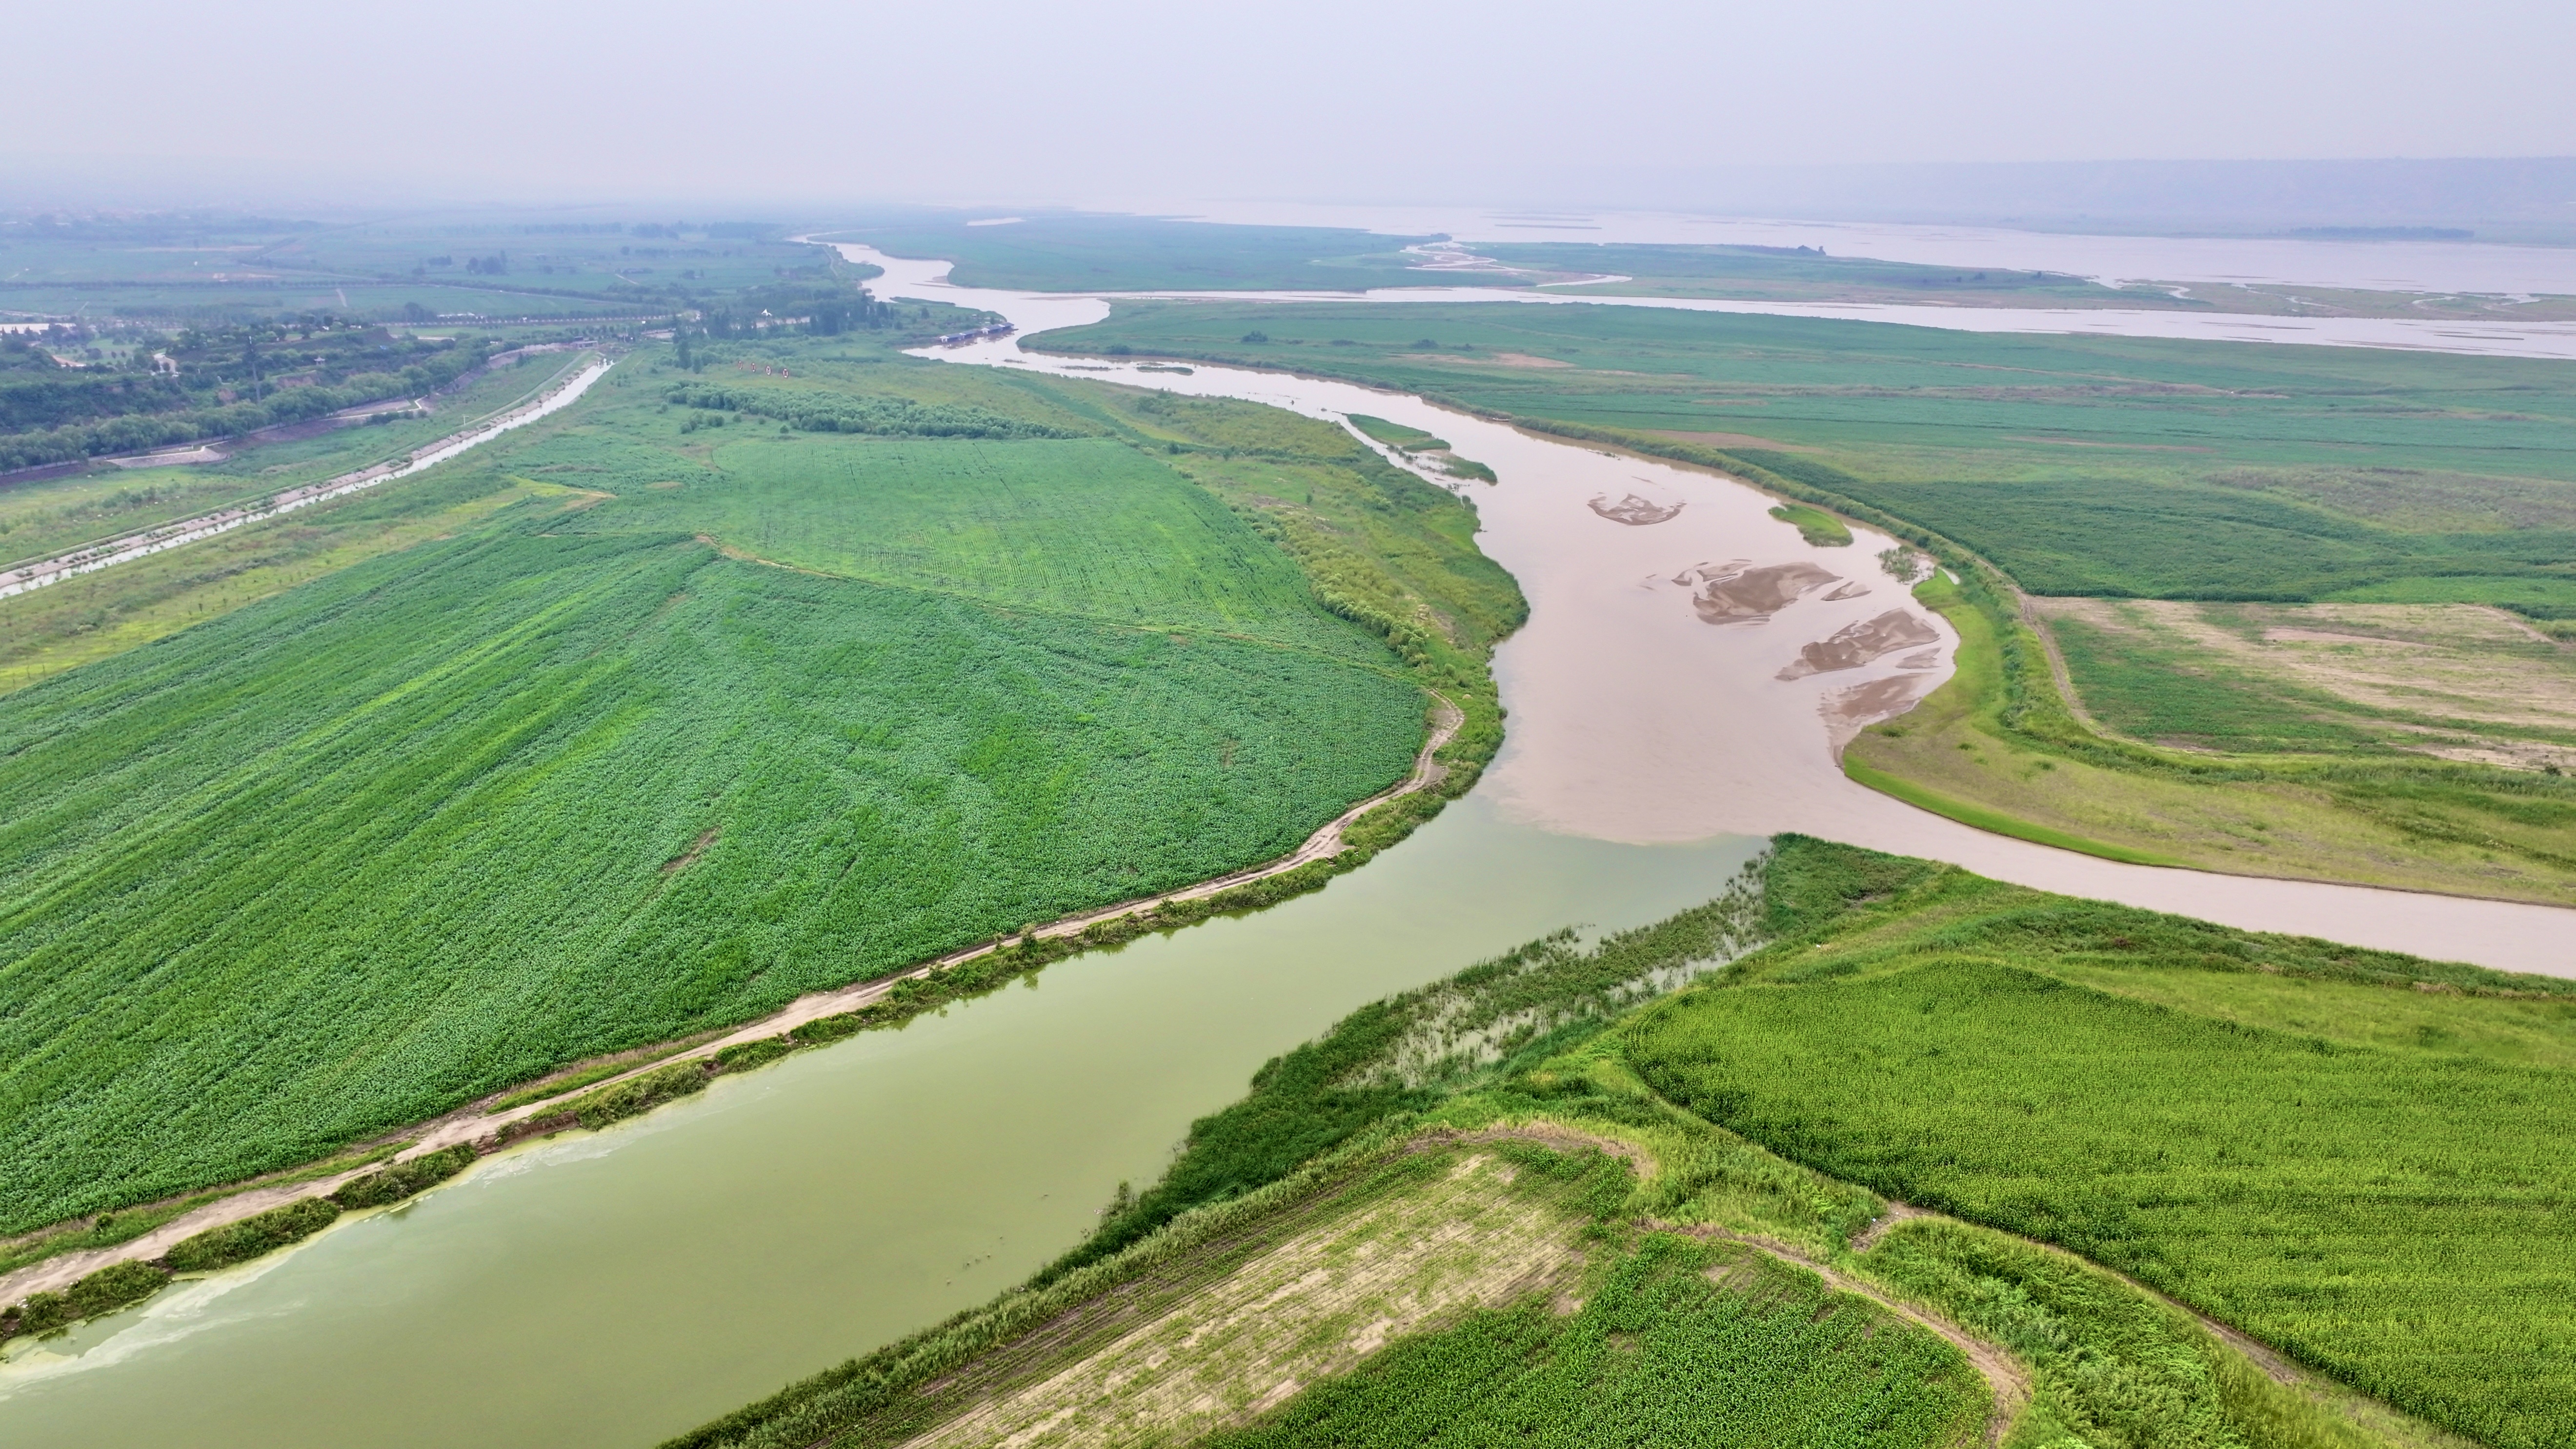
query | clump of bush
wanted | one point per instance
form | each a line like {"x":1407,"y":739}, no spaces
{"x":101,"y":1293}
{"x":400,"y":1180}
{"x":753,"y":1053}
{"x":620,"y":1100}
{"x":252,"y":1236}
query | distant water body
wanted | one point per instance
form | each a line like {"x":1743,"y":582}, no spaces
{"x":2388,"y":266}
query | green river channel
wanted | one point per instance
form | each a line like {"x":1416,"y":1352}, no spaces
{"x":619,"y":1287}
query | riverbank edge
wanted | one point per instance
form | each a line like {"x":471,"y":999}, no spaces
{"x":2025,"y":694}
{"x":1452,"y":759}
{"x":1718,"y":1181}
{"x":2250,"y":1368}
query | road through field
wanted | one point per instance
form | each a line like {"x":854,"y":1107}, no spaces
{"x":111,"y":552}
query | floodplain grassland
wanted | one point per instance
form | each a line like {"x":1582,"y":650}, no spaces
{"x":2294,"y":785}
{"x":2459,"y":681}
{"x":1803,"y":274}
{"x":1814,"y":525}
{"x":596,"y":773}
{"x":1732,"y":1171}
{"x":2349,"y":1155}
{"x":2079,"y":465}
{"x":1072,"y":252}
{"x":2218,"y":474}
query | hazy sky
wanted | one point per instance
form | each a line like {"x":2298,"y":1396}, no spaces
{"x":1145,"y":101}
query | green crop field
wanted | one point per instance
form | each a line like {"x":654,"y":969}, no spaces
{"x":2350,"y":1155}
{"x":1084,"y":526}
{"x":2389,"y":1206}
{"x":1658,"y":1354}
{"x":415,"y":832}
{"x":684,"y":721}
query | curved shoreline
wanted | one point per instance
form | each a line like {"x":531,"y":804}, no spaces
{"x":489,"y":1132}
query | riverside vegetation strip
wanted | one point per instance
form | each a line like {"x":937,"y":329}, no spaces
{"x":2104,"y":467}
{"x":582,"y":779}
{"x":1748,"y":1151}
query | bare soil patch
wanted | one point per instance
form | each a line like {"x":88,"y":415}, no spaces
{"x":1854,"y":645}
{"x":2457,"y":681}
{"x":1635,"y":511}
{"x":1848,"y":711}
{"x":1754,"y":595}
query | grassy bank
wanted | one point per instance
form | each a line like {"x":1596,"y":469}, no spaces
{"x":2282,"y":1154}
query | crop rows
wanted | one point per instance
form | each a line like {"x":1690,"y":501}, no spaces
{"x":1657,"y":1355}
{"x":1083,"y":526}
{"x":2399,"y":1218}
{"x":442,"y":822}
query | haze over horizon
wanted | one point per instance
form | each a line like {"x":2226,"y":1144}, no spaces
{"x":1148,"y":104}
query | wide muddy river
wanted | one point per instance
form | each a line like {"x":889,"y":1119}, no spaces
{"x":614,"y":1288}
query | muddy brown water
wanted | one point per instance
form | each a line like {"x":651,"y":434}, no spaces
{"x":618,"y":1287}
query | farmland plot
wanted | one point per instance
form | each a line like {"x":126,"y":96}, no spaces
{"x":439,"y":822}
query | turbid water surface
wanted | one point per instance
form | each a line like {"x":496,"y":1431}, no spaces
{"x":619,"y":1287}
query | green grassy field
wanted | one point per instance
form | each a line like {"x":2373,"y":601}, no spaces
{"x":619,"y":761}
{"x":2383,"y":1204}
{"x":2086,"y":466}
{"x":2348,"y":1154}
{"x":2079,"y":465}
